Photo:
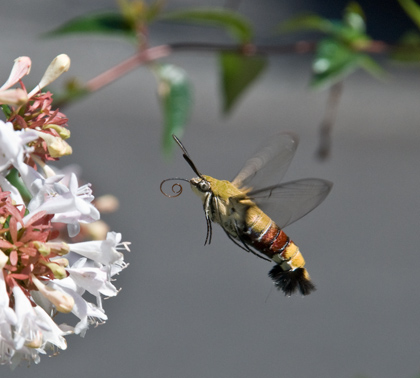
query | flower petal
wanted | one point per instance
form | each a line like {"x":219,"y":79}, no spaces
{"x":21,"y":68}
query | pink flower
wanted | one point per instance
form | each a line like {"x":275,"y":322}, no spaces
{"x":34,"y":110}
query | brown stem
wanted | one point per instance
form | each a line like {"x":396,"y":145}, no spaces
{"x":377,"y":47}
{"x":326,"y":126}
{"x":126,"y":66}
{"x":154,"y":53}
{"x":300,"y":47}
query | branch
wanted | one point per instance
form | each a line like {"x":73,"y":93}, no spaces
{"x":158,"y":52}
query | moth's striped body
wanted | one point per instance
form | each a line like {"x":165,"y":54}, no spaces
{"x":241,"y":209}
{"x":243,"y":220}
{"x":263,"y":234}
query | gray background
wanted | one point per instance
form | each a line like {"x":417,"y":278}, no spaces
{"x":186,"y":310}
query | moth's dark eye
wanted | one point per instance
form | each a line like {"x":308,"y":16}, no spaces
{"x":204,"y":186}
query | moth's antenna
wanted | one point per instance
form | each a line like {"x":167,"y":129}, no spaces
{"x":187,"y":156}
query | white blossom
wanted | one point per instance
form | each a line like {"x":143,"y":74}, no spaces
{"x":13,"y":146}
{"x":41,"y":271}
{"x":70,"y":204}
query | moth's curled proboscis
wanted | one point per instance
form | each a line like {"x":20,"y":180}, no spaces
{"x":176,"y":187}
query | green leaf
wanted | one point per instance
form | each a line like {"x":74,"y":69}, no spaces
{"x":412,"y":9}
{"x":333,"y":61}
{"x":109,"y":23}
{"x":140,"y":12}
{"x":408,"y":48}
{"x":154,"y":9}
{"x":237,"y":25}
{"x":354,"y":17}
{"x":351,"y":30}
{"x":237,"y":73}
{"x":14,"y":178}
{"x":373,"y":68}
{"x":175,"y":97}
{"x":6,"y":110}
{"x":308,"y":21}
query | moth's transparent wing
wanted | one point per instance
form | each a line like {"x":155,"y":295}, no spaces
{"x":290,"y":201}
{"x":268,"y":166}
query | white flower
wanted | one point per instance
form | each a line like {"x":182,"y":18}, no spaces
{"x":87,"y":312}
{"x":93,"y":279}
{"x":13,"y":146}
{"x":7,"y":320}
{"x":40,"y":274}
{"x":8,"y":187}
{"x":101,"y":251}
{"x":69,"y":204}
{"x":28,"y":329}
{"x":33,"y":332}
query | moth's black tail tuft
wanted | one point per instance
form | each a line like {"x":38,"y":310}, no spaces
{"x":291,"y":280}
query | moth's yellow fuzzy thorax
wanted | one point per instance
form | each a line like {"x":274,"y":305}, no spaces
{"x":222,"y":188}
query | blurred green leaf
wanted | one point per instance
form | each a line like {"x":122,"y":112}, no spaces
{"x":140,"y":12}
{"x":237,"y":73}
{"x":110,"y":23}
{"x":155,"y":8}
{"x":408,"y":48}
{"x":351,"y":30}
{"x":6,"y":110}
{"x":352,"y":36}
{"x":333,"y":61}
{"x":175,"y":97}
{"x":237,"y":25}
{"x":370,"y":65}
{"x":354,"y":17}
{"x":309,"y":21}
{"x":412,"y":9}
{"x":342,"y":51}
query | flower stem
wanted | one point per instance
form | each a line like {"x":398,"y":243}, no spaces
{"x":14,"y":178}
{"x":126,"y":66}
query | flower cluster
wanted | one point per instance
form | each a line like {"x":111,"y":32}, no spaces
{"x":43,"y":271}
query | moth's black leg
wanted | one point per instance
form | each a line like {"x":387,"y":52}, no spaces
{"x":207,"y":212}
{"x":245,"y":245}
